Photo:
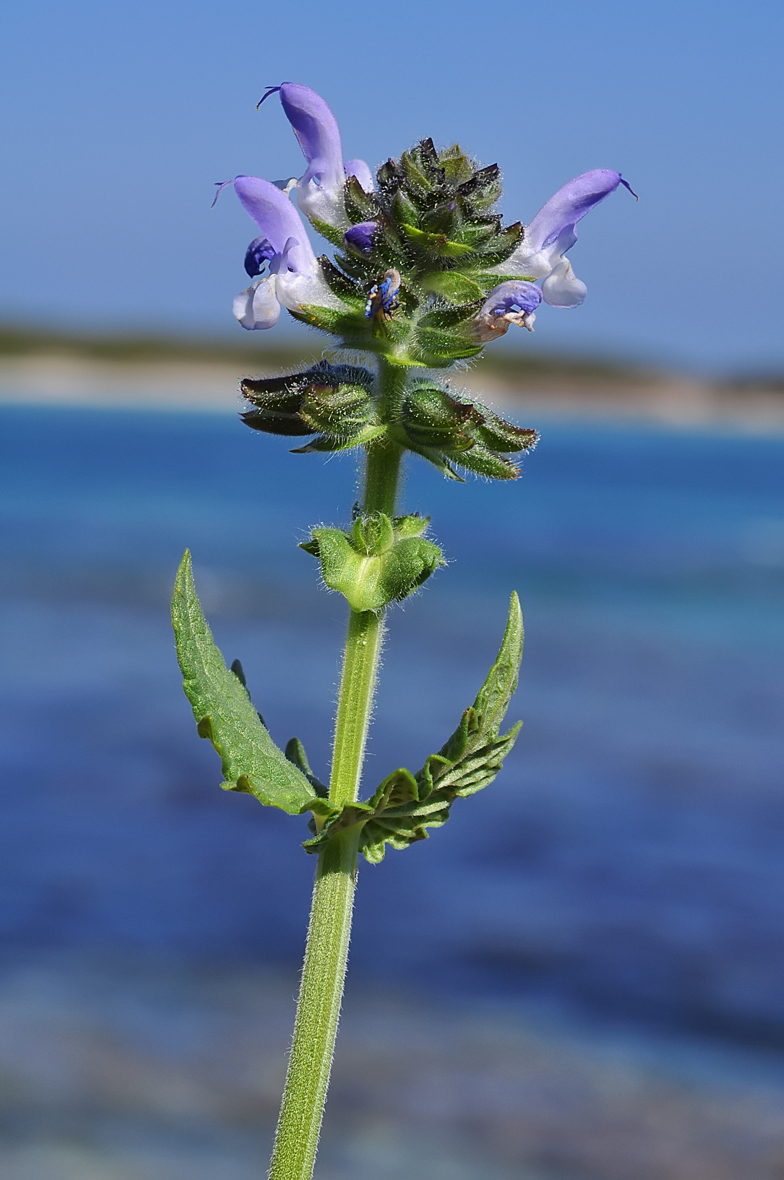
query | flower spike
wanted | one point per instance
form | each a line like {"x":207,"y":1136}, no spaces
{"x":425,"y":272}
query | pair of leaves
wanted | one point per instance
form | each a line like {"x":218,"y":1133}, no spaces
{"x":404,"y":806}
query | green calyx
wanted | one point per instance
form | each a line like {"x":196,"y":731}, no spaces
{"x":333,"y":402}
{"x":339,"y":404}
{"x":380,"y":560}
{"x":449,"y":430}
{"x":431,"y":221}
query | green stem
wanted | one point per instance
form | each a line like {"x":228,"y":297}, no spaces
{"x":357,"y":683}
{"x":326,"y":953}
{"x":318,"y":1009}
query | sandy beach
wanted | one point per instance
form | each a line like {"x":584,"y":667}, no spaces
{"x":673,"y":401}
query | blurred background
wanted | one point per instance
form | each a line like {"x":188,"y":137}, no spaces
{"x":580,"y":976}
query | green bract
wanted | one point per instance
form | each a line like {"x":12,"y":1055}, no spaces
{"x":333,"y":402}
{"x":381,"y":560}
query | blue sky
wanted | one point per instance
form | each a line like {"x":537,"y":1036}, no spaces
{"x":120,"y":118}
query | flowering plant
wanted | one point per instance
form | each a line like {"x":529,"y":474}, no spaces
{"x":424,"y":274}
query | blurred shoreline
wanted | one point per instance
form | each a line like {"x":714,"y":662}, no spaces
{"x":119,"y":1067}
{"x":212,"y":385}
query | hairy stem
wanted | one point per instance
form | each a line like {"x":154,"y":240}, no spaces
{"x":318,"y":1009}
{"x":326,"y":953}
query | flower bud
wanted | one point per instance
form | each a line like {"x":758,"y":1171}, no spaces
{"x":333,"y":402}
{"x":361,"y":236}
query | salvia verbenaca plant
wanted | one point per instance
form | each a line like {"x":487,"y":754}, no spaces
{"x":424,"y":274}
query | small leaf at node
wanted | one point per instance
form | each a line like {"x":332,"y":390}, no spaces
{"x":295,"y":752}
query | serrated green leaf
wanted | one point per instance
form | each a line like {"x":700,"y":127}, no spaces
{"x":405,"y":805}
{"x":224,"y":713}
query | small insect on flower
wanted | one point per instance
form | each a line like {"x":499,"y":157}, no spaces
{"x":382,"y":297}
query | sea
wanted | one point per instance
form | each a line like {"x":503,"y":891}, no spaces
{"x":623,"y":878}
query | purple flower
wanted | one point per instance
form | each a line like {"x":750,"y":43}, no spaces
{"x":320,"y":188}
{"x":513,"y":302}
{"x":541,"y":254}
{"x":294,"y":275}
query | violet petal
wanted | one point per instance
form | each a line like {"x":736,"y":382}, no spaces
{"x":569,"y":205}
{"x":562,"y":288}
{"x":277,"y":219}
{"x":516,"y":295}
{"x":512,"y":302}
{"x":316,"y":130}
{"x":257,"y":307}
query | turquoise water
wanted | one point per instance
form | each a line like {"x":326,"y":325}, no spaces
{"x":627,"y":864}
